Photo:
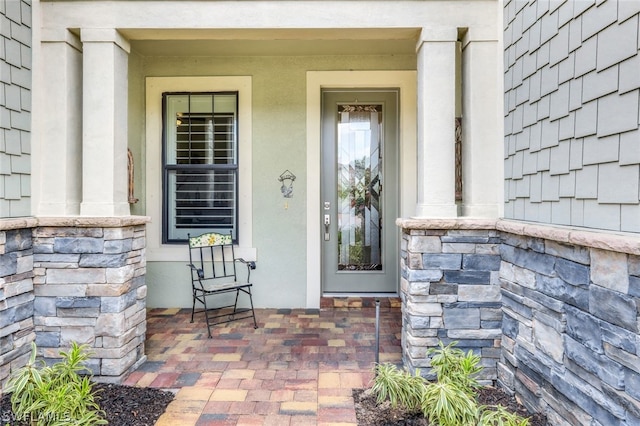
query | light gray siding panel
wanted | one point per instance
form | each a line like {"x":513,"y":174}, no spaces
{"x":550,"y":131}
{"x":21,"y":164}
{"x":630,"y":148}
{"x":577,"y":212}
{"x":536,"y":137}
{"x":530,"y":114}
{"x":12,"y":97}
{"x":565,"y":68}
{"x":15,"y":107}
{"x":12,"y":187}
{"x":600,"y":150}
{"x":586,"y":57}
{"x":587,"y":182}
{"x":559,"y":102}
{"x":575,"y":94}
{"x":559,"y":46}
{"x":549,"y":80}
{"x":529,"y":163}
{"x":523,"y":187}
{"x":25,"y":185}
{"x":618,"y":113}
{"x":534,"y":87}
{"x":618,"y":184}
{"x":535,"y":182}
{"x":587,"y":119}
{"x":597,"y":84}
{"x":604,"y":216}
{"x":550,"y":187}
{"x":561,"y":212}
{"x":575,"y":34}
{"x":575,"y":156}
{"x":627,"y":9}
{"x":516,"y":172}
{"x":617,"y":43}
{"x":13,"y":11}
{"x":630,"y":74}
{"x":12,"y":142}
{"x":12,"y":52}
{"x":5,"y":164}
{"x":549,"y":27}
{"x":567,"y":185}
{"x":559,"y":158}
{"x":596,"y":19}
{"x":522,"y":139}
{"x":567,"y":126}
{"x":630,"y":218}
{"x":529,"y":64}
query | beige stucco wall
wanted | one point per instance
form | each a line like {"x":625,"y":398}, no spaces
{"x":278,"y":143}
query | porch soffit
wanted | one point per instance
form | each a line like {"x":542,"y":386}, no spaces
{"x":268,"y":42}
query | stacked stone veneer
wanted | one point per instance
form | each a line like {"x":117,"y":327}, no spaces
{"x":571,"y":341}
{"x":567,"y":302}
{"x":450,"y":291}
{"x":70,"y":280}
{"x":16,"y":295}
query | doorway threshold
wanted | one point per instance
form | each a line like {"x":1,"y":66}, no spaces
{"x":341,"y":300}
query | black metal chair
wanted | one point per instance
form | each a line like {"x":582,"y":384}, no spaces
{"x":213,"y":273}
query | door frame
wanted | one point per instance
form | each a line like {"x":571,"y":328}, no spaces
{"x":406,"y":81}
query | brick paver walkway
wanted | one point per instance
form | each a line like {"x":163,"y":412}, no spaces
{"x":298,"y":368}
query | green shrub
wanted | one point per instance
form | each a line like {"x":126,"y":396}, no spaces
{"x":452,"y":399}
{"x":55,"y":395}
{"x":446,"y":403}
{"x":451,"y":363}
{"x":497,"y":415}
{"x":399,"y":387}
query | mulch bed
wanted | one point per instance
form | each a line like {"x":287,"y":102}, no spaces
{"x":136,"y":406}
{"x":370,"y":413}
{"x":123,"y":405}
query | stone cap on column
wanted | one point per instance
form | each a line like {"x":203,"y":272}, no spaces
{"x":73,"y":221}
{"x":614,"y":241}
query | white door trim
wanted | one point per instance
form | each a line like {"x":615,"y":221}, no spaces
{"x":316,"y":81}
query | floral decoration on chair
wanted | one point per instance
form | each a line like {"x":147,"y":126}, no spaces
{"x":211,"y":239}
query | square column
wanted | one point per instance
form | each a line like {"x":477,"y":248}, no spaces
{"x":104,"y":123}
{"x":482,"y":142}
{"x":436,"y":123}
{"x":58,"y":184}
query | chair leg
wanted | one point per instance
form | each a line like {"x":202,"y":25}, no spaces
{"x":193,"y":306}
{"x":253,"y":313}
{"x":206,"y":314}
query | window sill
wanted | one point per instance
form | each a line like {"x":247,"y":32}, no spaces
{"x":179,"y":253}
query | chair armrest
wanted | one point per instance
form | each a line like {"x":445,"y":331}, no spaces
{"x":250,"y":265}
{"x":199,"y":271}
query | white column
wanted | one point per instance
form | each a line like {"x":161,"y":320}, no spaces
{"x":482,"y":151}
{"x":436,"y":123}
{"x":59,"y":139}
{"x":104,"y":123}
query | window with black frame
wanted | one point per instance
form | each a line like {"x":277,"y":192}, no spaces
{"x":200,"y":159}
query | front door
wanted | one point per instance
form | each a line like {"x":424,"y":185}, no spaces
{"x":359,"y":191}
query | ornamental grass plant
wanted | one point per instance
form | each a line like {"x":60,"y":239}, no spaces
{"x":55,"y":395}
{"x":450,"y":400}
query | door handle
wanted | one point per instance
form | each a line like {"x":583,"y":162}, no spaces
{"x":327,"y":223}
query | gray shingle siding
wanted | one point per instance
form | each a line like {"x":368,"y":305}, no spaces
{"x":572,"y":146}
{"x":15,"y":108}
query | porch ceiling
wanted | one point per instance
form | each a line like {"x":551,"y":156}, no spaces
{"x":213,"y":42}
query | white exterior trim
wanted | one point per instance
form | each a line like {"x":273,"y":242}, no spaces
{"x":316,"y":81}
{"x":155,"y":86}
